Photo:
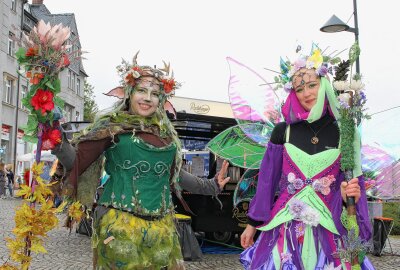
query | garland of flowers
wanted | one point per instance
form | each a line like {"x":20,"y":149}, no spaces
{"x":352,"y":100}
{"x":42,"y":56}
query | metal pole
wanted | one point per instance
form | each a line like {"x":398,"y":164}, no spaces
{"x":17,"y":105}
{"x":356,"y":33}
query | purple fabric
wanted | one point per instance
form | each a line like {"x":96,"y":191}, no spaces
{"x":361,"y":207}
{"x":260,"y":254}
{"x":293,"y":112}
{"x":268,"y":179}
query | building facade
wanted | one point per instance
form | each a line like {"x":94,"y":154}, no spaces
{"x":18,"y":16}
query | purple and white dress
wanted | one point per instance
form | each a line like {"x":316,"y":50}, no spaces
{"x":302,"y":229}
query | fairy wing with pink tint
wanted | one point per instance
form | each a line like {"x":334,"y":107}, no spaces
{"x":251,"y":97}
{"x":381,"y":154}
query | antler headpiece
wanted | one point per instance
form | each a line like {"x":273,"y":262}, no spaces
{"x":131,"y":73}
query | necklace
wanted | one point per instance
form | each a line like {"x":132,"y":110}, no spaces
{"x":314,"y":139}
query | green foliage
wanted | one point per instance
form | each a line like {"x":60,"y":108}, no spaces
{"x":392,"y":210}
{"x":354,"y":52}
{"x":20,"y":54}
{"x":90,"y":107}
{"x":347,"y":130}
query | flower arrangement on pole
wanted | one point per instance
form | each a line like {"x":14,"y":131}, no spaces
{"x":352,"y":100}
{"x":42,"y":57}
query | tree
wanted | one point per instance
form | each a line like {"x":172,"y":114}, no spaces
{"x":90,"y":107}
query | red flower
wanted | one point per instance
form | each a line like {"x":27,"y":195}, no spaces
{"x":36,"y":77}
{"x":300,"y":239}
{"x":43,"y":100}
{"x":65,"y":60}
{"x":129,"y":79}
{"x":27,"y":173}
{"x":50,"y":139}
{"x":168,"y":85}
{"x":31,"y":52}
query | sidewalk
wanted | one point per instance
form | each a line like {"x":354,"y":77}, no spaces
{"x":73,"y":251}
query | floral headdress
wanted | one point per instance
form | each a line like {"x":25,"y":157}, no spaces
{"x":322,"y":64}
{"x":131,"y":73}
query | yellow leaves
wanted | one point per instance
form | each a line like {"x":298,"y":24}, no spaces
{"x":316,"y":58}
{"x":38,"y":248}
{"x":61,"y":207}
{"x":24,"y":192}
{"x":37,"y":169}
{"x":75,"y":211}
{"x":8,"y":266}
{"x":34,"y":221}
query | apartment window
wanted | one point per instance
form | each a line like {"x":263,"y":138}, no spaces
{"x":24,"y":93}
{"x":69,"y":78}
{"x":13,"y":5}
{"x":77,"y":116}
{"x":73,"y":81}
{"x":78,"y":87}
{"x":68,"y":112}
{"x":68,"y":44}
{"x":11,"y":42}
{"x":8,"y":90}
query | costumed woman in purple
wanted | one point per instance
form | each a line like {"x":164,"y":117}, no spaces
{"x":134,"y":221}
{"x":299,"y":204}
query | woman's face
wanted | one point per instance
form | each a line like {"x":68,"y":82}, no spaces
{"x":145,"y":98}
{"x":306,"y":84}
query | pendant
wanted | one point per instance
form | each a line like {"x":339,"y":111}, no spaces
{"x":314,"y":140}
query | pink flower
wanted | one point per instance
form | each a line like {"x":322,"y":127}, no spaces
{"x":42,"y":29}
{"x":286,"y":257}
{"x":59,"y":34}
{"x":326,"y":190}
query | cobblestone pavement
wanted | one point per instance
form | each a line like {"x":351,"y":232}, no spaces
{"x":73,"y":251}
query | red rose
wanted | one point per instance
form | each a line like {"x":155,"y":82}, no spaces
{"x":50,"y":139}
{"x":168,"y":85}
{"x":43,"y":100}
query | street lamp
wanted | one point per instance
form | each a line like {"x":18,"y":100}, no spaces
{"x":334,"y":24}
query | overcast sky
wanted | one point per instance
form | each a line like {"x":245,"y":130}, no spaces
{"x":197,"y":36}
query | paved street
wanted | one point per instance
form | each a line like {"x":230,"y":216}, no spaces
{"x":72,"y":251}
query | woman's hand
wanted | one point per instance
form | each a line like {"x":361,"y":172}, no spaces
{"x":350,"y":189}
{"x":247,"y":237}
{"x":222,"y":180}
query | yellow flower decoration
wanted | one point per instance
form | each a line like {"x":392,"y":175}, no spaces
{"x":316,"y":58}
{"x":75,"y":211}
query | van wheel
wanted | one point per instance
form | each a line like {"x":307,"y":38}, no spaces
{"x":222,"y":237}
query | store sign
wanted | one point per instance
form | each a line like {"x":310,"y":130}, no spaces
{"x":199,"y":109}
{"x":240,"y":213}
{"x":5,"y":132}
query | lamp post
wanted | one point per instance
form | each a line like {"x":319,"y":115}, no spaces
{"x":334,"y":24}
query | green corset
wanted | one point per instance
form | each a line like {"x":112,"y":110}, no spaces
{"x":139,"y":176}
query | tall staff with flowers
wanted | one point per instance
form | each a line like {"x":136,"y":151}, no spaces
{"x":352,"y":100}
{"x":43,"y":56}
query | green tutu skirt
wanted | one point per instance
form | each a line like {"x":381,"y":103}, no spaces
{"x":124,"y":241}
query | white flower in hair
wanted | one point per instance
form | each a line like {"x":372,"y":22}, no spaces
{"x":341,"y":85}
{"x":356,"y":85}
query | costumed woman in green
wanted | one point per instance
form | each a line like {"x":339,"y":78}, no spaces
{"x":134,"y":221}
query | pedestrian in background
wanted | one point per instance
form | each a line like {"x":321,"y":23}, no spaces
{"x":10,"y":176}
{"x":3,"y":178}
